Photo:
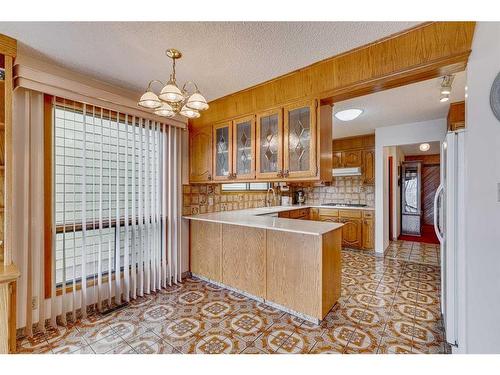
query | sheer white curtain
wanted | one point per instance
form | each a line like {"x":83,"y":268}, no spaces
{"x":116,"y":208}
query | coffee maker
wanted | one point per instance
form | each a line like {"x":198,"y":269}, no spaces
{"x":300,"y":197}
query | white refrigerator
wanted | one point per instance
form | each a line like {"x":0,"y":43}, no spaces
{"x":449,"y":220}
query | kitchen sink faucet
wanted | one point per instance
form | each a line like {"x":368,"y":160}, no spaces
{"x":268,"y":202}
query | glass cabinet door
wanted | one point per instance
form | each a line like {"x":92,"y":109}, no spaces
{"x":222,"y":152}
{"x":300,"y":140}
{"x":244,"y":146}
{"x":269,"y":144}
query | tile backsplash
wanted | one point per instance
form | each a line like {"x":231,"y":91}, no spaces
{"x":200,"y":199}
{"x":341,"y":190}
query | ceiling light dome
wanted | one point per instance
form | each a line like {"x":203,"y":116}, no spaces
{"x":189,"y":113}
{"x":197,"y":101}
{"x":171,"y":93}
{"x":149,"y":100}
{"x":424,"y":147}
{"x":348,"y":114}
{"x":165,"y":111}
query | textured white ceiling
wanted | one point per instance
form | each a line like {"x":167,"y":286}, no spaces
{"x":406,"y":104}
{"x":415,"y":150}
{"x":221,"y":57}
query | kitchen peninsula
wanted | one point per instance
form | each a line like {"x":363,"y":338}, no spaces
{"x":294,"y":265}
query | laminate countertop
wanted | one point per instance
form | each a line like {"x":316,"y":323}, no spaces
{"x":259,"y":218}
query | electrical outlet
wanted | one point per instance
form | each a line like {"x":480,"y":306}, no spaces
{"x":34,"y":303}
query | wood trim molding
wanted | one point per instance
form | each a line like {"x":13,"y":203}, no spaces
{"x":49,"y":79}
{"x":8,"y":46}
{"x":8,"y":157}
{"x":426,"y":51}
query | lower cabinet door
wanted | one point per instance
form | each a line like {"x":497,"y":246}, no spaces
{"x":206,"y":249}
{"x":367,"y":234}
{"x":244,"y":259}
{"x":351,"y":232}
{"x":293,"y":272}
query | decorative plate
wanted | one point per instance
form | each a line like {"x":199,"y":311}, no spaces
{"x":495,"y":97}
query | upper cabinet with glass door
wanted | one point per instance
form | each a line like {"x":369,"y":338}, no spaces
{"x":290,"y":143}
{"x":300,"y":140}
{"x":222,"y":151}
{"x":244,"y":148}
{"x":269,"y":148}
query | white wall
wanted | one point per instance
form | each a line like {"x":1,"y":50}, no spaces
{"x":482,"y":174}
{"x":418,"y":132}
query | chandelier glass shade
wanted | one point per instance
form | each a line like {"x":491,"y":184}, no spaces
{"x":172,"y":100}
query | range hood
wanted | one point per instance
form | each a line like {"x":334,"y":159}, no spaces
{"x":340,"y":172}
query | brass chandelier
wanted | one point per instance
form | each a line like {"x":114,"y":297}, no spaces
{"x":171,"y":99}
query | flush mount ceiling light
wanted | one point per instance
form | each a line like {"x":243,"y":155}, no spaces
{"x":424,"y":147}
{"x":348,"y":114}
{"x":171,"y":99}
{"x":446,"y":88}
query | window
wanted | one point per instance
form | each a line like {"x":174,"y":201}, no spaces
{"x":119,"y":164}
{"x":246,"y":186}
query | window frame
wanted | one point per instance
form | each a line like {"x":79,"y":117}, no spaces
{"x":247,"y":187}
{"x":50,"y":227}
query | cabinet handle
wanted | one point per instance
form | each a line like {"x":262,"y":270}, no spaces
{"x":234,"y":175}
{"x":287,"y":173}
{"x":280,"y":174}
{"x":209,"y":177}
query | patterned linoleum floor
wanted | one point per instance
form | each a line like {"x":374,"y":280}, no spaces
{"x":388,"y":305}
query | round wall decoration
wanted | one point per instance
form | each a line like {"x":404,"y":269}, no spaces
{"x":495,"y":97}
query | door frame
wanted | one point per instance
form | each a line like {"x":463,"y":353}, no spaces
{"x":391,"y":193}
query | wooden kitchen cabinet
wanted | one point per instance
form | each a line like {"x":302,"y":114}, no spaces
{"x":285,"y":214}
{"x":351,"y":232}
{"x":269,"y":144}
{"x":222,"y":151}
{"x":314,"y":214}
{"x":356,"y":152}
{"x":200,"y":159}
{"x":352,"y":159}
{"x":328,"y":214}
{"x":456,"y":116}
{"x":369,"y":167}
{"x":312,"y":264}
{"x":367,"y":235}
{"x":206,"y":249}
{"x":243,"y":148}
{"x":299,"y":146}
{"x":290,"y":143}
{"x":337,"y":159}
{"x":244,"y":259}
{"x":302,"y":213}
{"x":358,"y":230}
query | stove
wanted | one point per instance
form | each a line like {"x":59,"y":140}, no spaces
{"x":344,"y":205}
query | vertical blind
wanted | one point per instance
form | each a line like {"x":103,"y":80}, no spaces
{"x":116,"y":206}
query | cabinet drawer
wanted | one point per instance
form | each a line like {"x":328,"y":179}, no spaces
{"x":284,"y":214}
{"x":333,"y":219}
{"x":350,"y":213}
{"x":296,"y":214}
{"x":368,"y":214}
{"x":328,"y":212}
